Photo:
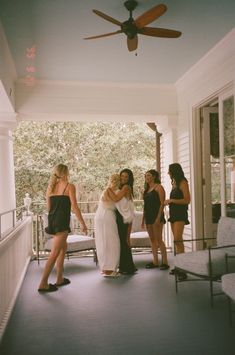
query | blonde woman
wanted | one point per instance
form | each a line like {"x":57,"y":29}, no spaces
{"x":106,"y":231}
{"x":60,"y":198}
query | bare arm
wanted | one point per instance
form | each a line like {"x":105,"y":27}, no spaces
{"x":48,"y":202}
{"x":162,"y":195}
{"x":75,"y":208}
{"x":105,"y":196}
{"x":143,"y":221}
{"x":119,"y":195}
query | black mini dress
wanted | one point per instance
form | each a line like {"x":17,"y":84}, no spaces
{"x":59,"y":214}
{"x":152,"y":204}
{"x":177,"y":212}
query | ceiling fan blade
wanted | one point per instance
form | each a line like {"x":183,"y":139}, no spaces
{"x":105,"y":35}
{"x":106,"y":17}
{"x":159,"y":32}
{"x":150,"y":15}
{"x":132,"y":43}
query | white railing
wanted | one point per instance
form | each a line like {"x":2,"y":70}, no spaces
{"x":9,"y":220}
{"x":15,"y":254}
{"x":88,"y":209}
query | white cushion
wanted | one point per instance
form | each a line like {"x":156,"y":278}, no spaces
{"x":75,"y":243}
{"x":140,"y":239}
{"x":226,"y":231}
{"x":228,"y":285}
{"x":198,"y":262}
{"x":137,"y":221}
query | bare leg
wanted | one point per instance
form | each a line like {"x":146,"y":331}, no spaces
{"x":154,"y":242}
{"x":157,"y":229}
{"x":58,"y":243}
{"x":177,"y":230}
{"x":60,"y":264}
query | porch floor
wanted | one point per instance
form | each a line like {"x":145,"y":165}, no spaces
{"x":134,"y":315}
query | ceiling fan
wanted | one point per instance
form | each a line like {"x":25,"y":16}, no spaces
{"x":133,"y":27}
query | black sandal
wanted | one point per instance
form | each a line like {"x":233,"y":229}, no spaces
{"x":51,"y":288}
{"x":151,"y":266}
{"x":64,"y":283}
{"x":164,"y":267}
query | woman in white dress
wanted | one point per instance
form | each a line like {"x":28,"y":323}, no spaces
{"x":106,"y":232}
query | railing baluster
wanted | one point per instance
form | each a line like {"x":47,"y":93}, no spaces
{"x":12,"y":212}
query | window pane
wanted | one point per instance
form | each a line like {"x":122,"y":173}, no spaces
{"x":229,"y":127}
{"x":229,"y":155}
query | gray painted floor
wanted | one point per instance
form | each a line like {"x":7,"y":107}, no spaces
{"x":132,"y":315}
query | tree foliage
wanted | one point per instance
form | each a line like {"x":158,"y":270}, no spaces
{"x":92,"y":151}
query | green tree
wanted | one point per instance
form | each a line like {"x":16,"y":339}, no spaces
{"x":92,"y":151}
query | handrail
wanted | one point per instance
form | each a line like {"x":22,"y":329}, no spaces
{"x":14,"y":219}
{"x":86,"y":206}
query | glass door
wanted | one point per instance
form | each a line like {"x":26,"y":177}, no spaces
{"x":227,"y":156}
{"x":211,"y":169}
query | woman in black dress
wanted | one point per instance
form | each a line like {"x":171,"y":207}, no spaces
{"x":60,"y":198}
{"x":153,"y":217}
{"x":178,"y":206}
{"x":126,"y":264}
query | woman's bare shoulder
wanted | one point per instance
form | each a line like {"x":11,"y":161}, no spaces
{"x":159,"y":187}
{"x":71,"y":187}
{"x":183,"y":183}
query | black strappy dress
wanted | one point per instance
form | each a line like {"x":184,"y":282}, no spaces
{"x":59,"y":214}
{"x":152,"y":204}
{"x":178,"y":212}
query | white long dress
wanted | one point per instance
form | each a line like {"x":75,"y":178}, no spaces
{"x":106,"y":236}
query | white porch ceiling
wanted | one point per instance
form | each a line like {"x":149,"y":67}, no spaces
{"x":57,"y":28}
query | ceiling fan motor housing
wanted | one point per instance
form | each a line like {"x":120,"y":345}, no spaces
{"x":129,"y":28}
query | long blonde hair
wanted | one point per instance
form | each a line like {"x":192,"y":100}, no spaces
{"x":59,"y":171}
{"x":114,"y":181}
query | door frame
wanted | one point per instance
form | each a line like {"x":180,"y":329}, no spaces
{"x":196,"y":159}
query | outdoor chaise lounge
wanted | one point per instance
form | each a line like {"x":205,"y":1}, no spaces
{"x":228,"y":287}
{"x":209,"y":264}
{"x":75,"y":242}
{"x":139,"y":236}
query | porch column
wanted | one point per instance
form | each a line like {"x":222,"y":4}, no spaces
{"x":167,"y":126}
{"x":7,"y":176}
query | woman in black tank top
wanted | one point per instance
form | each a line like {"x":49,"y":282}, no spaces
{"x":60,"y":197}
{"x":178,"y":207}
{"x":153,"y":217}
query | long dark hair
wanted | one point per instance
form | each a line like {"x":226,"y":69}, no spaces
{"x":177,"y":174}
{"x":156,"y":177}
{"x":130,"y":178}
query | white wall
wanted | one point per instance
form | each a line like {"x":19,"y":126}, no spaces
{"x":7,"y":73}
{"x":210,"y":76}
{"x":105,"y":102}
